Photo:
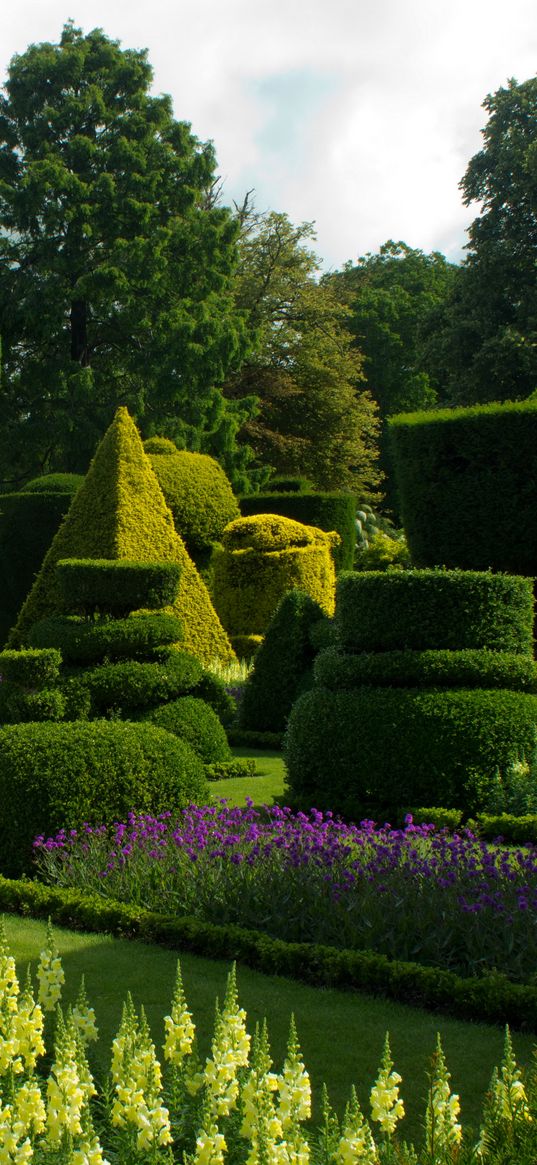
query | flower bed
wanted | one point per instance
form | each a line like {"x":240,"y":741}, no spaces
{"x":413,"y":894}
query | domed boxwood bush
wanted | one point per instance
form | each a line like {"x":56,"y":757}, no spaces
{"x":282,"y":665}
{"x":54,"y":483}
{"x":55,"y":776}
{"x":196,"y":722}
{"x":197,"y":491}
{"x":403,"y":746}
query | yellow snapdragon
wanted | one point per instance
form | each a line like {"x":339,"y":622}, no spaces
{"x":442,"y":1129}
{"x":50,"y":974}
{"x":356,"y":1143}
{"x":136,"y":1077}
{"x":386,"y":1106}
{"x":178,"y":1027}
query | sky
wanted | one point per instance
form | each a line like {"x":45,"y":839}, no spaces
{"x":357,"y":115}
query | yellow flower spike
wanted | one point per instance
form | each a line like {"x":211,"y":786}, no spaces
{"x":386,"y":1106}
{"x":50,"y":973}
{"x":84,"y":1016}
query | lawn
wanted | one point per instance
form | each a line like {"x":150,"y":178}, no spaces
{"x":341,"y":1033}
{"x":264,"y":789}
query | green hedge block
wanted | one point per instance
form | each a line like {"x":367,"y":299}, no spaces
{"x":326,"y":511}
{"x":263,"y":557}
{"x":116,"y":587}
{"x":55,"y":776}
{"x":18,"y":706}
{"x":226,"y":770}
{"x":28,"y":523}
{"x":421,"y":609}
{"x":31,"y":668}
{"x":513,"y":830}
{"x":467,"y":484}
{"x":113,"y":639}
{"x":191,"y":719}
{"x":406,"y":746}
{"x":120,"y":688}
{"x":282,"y":665}
{"x":335,"y":669}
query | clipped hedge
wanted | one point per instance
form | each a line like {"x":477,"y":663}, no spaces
{"x":54,"y":483}
{"x":282,"y":666}
{"x":263,"y":557}
{"x":55,"y":776}
{"x":18,"y":706}
{"x":326,"y":511}
{"x":193,"y":720}
{"x":30,"y":668}
{"x":116,"y":587}
{"x":114,"y":639}
{"x":466,"y":480}
{"x":421,"y":609}
{"x":489,"y":999}
{"x":28,"y":523}
{"x":132,"y":686}
{"x":336,"y":669}
{"x":405,"y":746}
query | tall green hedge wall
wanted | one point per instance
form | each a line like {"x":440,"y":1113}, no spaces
{"x":28,"y":523}
{"x":327,"y":511}
{"x":467,"y":484}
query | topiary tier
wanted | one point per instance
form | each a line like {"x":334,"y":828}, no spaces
{"x":428,"y":697}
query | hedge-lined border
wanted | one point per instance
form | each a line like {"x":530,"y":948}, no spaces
{"x":492,"y":999}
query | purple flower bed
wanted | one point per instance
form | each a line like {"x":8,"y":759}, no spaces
{"x":414,"y":893}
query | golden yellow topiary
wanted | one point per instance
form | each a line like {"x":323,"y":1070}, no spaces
{"x":120,"y":512}
{"x":263,"y":557}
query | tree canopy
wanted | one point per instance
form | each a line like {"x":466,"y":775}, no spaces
{"x":490,"y":329}
{"x":316,"y":417}
{"x":116,"y":263}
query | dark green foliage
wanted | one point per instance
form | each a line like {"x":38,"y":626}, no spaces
{"x":336,"y":669}
{"x":54,"y":483}
{"x":193,"y":720}
{"x":56,"y":776}
{"x":438,"y":609}
{"x":119,"y":688}
{"x":327,"y":511}
{"x":488,"y":999}
{"x":77,"y":699}
{"x":116,"y":586}
{"x":135,"y":304}
{"x":18,"y":706}
{"x":282,"y":666}
{"x":289,"y":485}
{"x":28,"y":523}
{"x":242,"y":738}
{"x":30,"y":668}
{"x":83,"y":642}
{"x":467,"y":485}
{"x":405,"y":746}
{"x":213,"y":690}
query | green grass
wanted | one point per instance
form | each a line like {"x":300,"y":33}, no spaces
{"x":341,"y":1033}
{"x":264,"y":789}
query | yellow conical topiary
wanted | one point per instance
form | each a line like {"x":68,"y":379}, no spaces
{"x":120,"y":512}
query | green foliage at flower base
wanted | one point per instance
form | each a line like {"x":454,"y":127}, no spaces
{"x":232,"y":1107}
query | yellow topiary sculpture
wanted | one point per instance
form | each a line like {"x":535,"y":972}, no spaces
{"x":120,"y":512}
{"x":261,"y":558}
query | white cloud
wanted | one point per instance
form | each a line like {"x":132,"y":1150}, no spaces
{"x":359,"y":114}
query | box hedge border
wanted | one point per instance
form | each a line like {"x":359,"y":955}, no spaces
{"x":491,"y":999}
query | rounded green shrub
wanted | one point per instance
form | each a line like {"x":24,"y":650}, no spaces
{"x":119,"y":688}
{"x":262,"y":558}
{"x":55,"y":776}
{"x":191,"y":719}
{"x":282,"y":666}
{"x":54,"y":483}
{"x":336,"y":669}
{"x":403,"y":746}
{"x":213,"y":690}
{"x":438,"y":609}
{"x":18,"y":706}
{"x":198,"y":493}
{"x":325,"y":511}
{"x":83,"y":642}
